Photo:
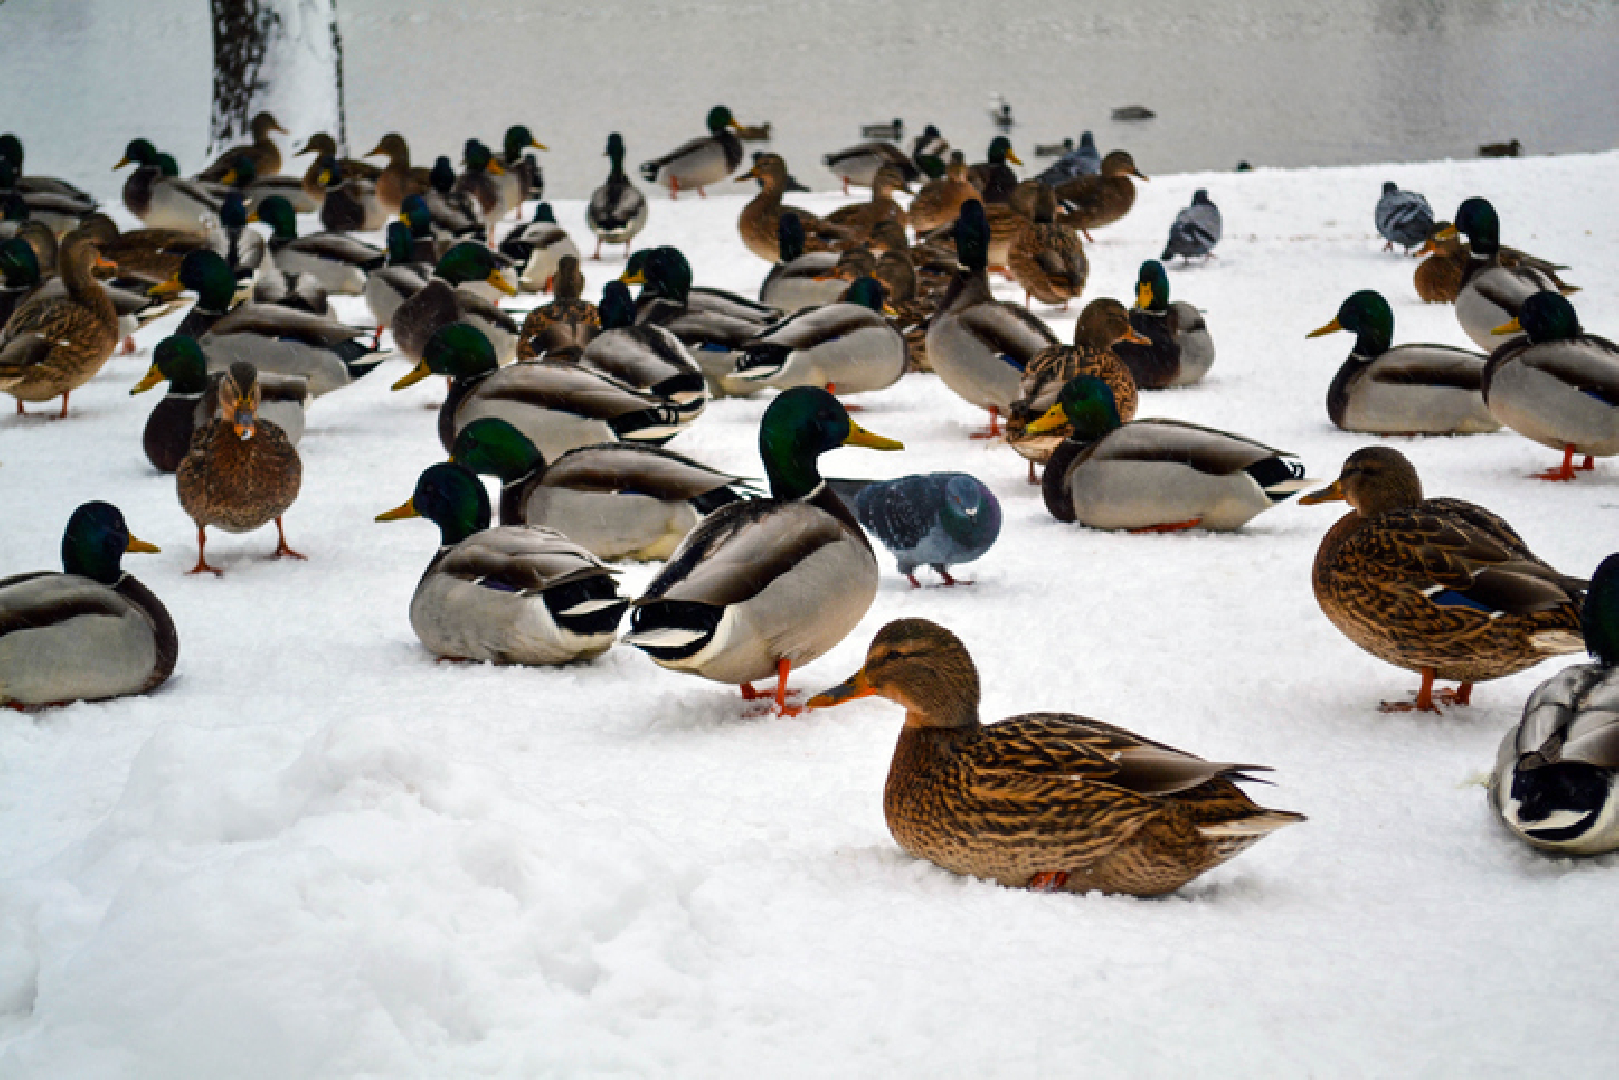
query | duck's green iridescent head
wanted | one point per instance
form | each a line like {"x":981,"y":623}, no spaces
{"x":617,"y":307}
{"x":167,"y":165}
{"x":664,"y":272}
{"x":868,"y":293}
{"x":95,"y":541}
{"x":400,"y":245}
{"x":544,"y":215}
{"x":493,"y":447}
{"x":442,"y":175}
{"x":469,"y":261}
{"x":179,"y":360}
{"x":451,"y":497}
{"x":277,"y":213}
{"x":972,"y":236}
{"x":1600,"y":616}
{"x":1000,"y":151}
{"x":790,"y":235}
{"x":233,"y":212}
{"x":479,"y":158}
{"x":1368,"y":316}
{"x":139,"y":151}
{"x":1476,"y":219}
{"x":19,"y":264}
{"x":205,"y":273}
{"x":459,"y":350}
{"x":517,"y":140}
{"x":720,"y":118}
{"x":1152,"y":287}
{"x":799,"y":426}
{"x":413,"y":210}
{"x":11,"y":150}
{"x":1545,"y":316}
{"x":1086,"y":403}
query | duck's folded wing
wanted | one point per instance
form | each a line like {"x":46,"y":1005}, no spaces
{"x":1218,"y":453}
{"x":626,"y":468}
{"x":1065,"y":745}
{"x":521,"y":559}
{"x":735,"y":553}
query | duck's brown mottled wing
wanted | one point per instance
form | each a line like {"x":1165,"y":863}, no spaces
{"x":1079,"y":748}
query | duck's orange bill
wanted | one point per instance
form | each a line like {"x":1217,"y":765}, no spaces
{"x":141,"y":547}
{"x":1333,"y":492}
{"x":1053,"y":419}
{"x":854,"y":687}
{"x":1138,"y":338}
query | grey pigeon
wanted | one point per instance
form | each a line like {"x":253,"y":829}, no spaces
{"x":1403,"y":217}
{"x":929,"y":519}
{"x":1196,"y":229}
{"x":1082,"y":160}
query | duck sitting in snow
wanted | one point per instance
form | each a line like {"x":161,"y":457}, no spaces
{"x":846,"y":347}
{"x":929,"y":519}
{"x":644,"y":356}
{"x":1043,"y":801}
{"x":339,"y":262}
{"x":1180,"y":349}
{"x":537,"y":248}
{"x":800,"y":278}
{"x":510,"y":595}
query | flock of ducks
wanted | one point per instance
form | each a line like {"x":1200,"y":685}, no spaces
{"x":570,"y":410}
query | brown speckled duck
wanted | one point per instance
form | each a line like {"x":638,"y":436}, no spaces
{"x":567,"y":323}
{"x":1090,"y":202}
{"x":263,"y":152}
{"x":861,"y":218}
{"x":1047,"y":259}
{"x":52,"y":345}
{"x":939,"y":202}
{"x":760,"y":223}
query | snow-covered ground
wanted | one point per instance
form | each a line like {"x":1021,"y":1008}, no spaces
{"x":317,"y":852}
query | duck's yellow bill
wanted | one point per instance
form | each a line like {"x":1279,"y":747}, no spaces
{"x":141,"y":547}
{"x":494,"y":168}
{"x":1321,"y":331}
{"x":501,"y":283}
{"x":1507,"y":328}
{"x":1053,"y":419}
{"x":168,"y":289}
{"x":229,"y":179}
{"x":1143,"y":296}
{"x":152,"y":377}
{"x":855,"y":686}
{"x":1013,"y":158}
{"x":1447,"y":233}
{"x":253,"y":216}
{"x":1333,"y":492}
{"x":413,"y":376}
{"x":637,"y":278}
{"x":538,"y":145}
{"x":406,"y":509}
{"x":859,"y":436}
{"x":121,"y":163}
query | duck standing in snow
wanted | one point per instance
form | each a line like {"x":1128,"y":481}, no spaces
{"x":700,"y":162}
{"x":263,"y":152}
{"x":1196,"y":229}
{"x":1180,"y":350}
{"x":1043,"y":801}
{"x":1402,"y":217}
{"x":930,"y":519}
{"x":846,"y":347}
{"x":1090,"y":202}
{"x":55,"y":343}
{"x":568,"y":323}
{"x":1046,"y":258}
{"x":1554,"y":778}
{"x":617,"y":210}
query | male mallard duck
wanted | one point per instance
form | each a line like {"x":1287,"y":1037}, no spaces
{"x":1044,"y":801}
{"x":519,"y":178}
{"x":90,"y":632}
{"x":339,"y":262}
{"x":646,"y":357}
{"x":389,"y":286}
{"x":537,"y":248}
{"x":800,"y":279}
{"x":1553,"y":783}
{"x":939,"y":202}
{"x":262,"y":152}
{"x":11,"y":151}
{"x":510,"y":595}
{"x":349,"y":204}
{"x":763,"y":585}
{"x":254,"y":189}
{"x":993,"y":177}
{"x":1076,"y":161}
{"x":930,"y":519}
{"x":1492,"y":293}
{"x":241,"y":470}
{"x":442,"y":302}
{"x":1046,"y":258}
{"x":1195,"y":230}
{"x":1180,"y":350}
{"x":155,"y":193}
{"x":1409,"y":390}
{"x":455,"y":213}
{"x":567,"y":324}
{"x":54,"y":344}
{"x":1090,"y":202}
{"x":860,"y":219}
{"x":480,"y":182}
{"x":398,"y":179}
{"x":19,"y":267}
{"x":1557,"y":384}
{"x":1439,"y":586}
{"x":1402,"y":217}
{"x":1102,"y":324}
{"x":1156,"y":475}
{"x":617,"y":500}
{"x":700,"y":162}
{"x":846,"y":347}
{"x":760,"y":221}
{"x":977,"y":344}
{"x":927,"y":154}
{"x":711,"y":323}
{"x":298,"y":291}
{"x":60,"y":213}
{"x":243,"y":249}
{"x":617,"y":210}
{"x":193,"y":401}
{"x":858,"y":164}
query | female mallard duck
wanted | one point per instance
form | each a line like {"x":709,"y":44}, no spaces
{"x":511,"y":595}
{"x":339,"y":262}
{"x":939,"y":202}
{"x":557,"y":404}
{"x":760,"y":221}
{"x":763,"y":585}
{"x":977,"y":344}
{"x":244,"y":250}
{"x":1090,"y":202}
{"x":442,"y":302}
{"x":1409,"y":390}
{"x":993,"y":177}
{"x":90,"y":632}
{"x":1101,"y":325}
{"x":193,"y":401}
{"x":700,"y":162}
{"x":389,"y":286}
{"x":519,"y":178}
{"x":1439,"y":586}
{"x":1156,"y":475}
{"x":1492,"y":292}
{"x":847,"y":347}
{"x":1043,"y":801}
{"x":398,"y":178}
{"x":858,"y":164}
{"x":1438,"y":278}
{"x":646,"y":357}
{"x":1179,"y":349}
{"x":54,"y":344}
{"x":480,"y":182}
{"x":241,"y":470}
{"x":149,"y":256}
{"x":800,"y":279}
{"x":1046,"y":258}
{"x":1554,"y":778}
{"x":617,"y":210}
{"x":861,"y":218}
{"x":155,"y":193}
{"x":567,"y":324}
{"x":262,"y":151}
{"x":537,"y":248}
{"x":1557,"y":384}
{"x":617,"y":500}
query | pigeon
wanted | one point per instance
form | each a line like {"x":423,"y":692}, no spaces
{"x":928,"y":519}
{"x":1403,"y":217}
{"x":1083,"y":160}
{"x":1196,"y":229}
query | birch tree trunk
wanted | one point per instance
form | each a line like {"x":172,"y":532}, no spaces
{"x":284,"y":56}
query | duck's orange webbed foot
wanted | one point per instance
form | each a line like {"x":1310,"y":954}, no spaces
{"x":1048,"y":881}
{"x":1170,"y":526}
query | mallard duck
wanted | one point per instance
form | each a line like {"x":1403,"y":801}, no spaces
{"x":480,"y":182}
{"x":455,"y":213}
{"x":254,"y":189}
{"x":846,"y":347}
{"x":1195,"y":230}
{"x":700,"y":162}
{"x":927,"y":153}
{"x":442,"y":302}
{"x":398,"y":179}
{"x":146,"y":255}
{"x":977,"y":344}
{"x":519,"y":178}
{"x":193,"y":401}
{"x":1180,"y":350}
{"x":800,"y":279}
{"x":1156,"y":475}
{"x":1046,"y":258}
{"x":349,"y":204}
{"x":617,"y":500}
{"x":617,"y":210}
{"x":510,"y":595}
{"x":1090,"y":202}
{"x":1402,"y":217}
{"x":908,"y":311}
{"x":938,"y":203}
{"x":1438,"y":278}
{"x":323,"y":146}
{"x":19,"y":267}
{"x":61,"y":213}
{"x":90,"y":632}
{"x":241,"y":470}
{"x":711,"y":323}
{"x":557,"y":404}
{"x":1409,"y":390}
{"x":1556,"y":384}
{"x":537,"y":248}
{"x":155,"y":193}
{"x":1043,"y":801}
{"x":52,"y":345}
{"x":389,"y":286}
{"x":568,"y":323}
{"x":11,"y":151}
{"x":760,"y":221}
{"x":1553,"y":783}
{"x":1501,"y":149}
{"x":858,"y":164}
{"x":930,"y":519}
{"x":646,"y":357}
{"x":760,"y":586}
{"x":338,"y":261}
{"x":993,"y":177}
{"x":1102,"y":324}
{"x":1492,"y":292}
{"x":298,"y":291}
{"x":1076,"y":161}
{"x":244,"y":250}
{"x":860,"y":219}
{"x":1439,"y":586}
{"x":262,"y":151}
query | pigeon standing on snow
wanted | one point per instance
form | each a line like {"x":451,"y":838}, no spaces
{"x":929,"y":519}
{"x":1403,"y":217}
{"x":1082,"y":160}
{"x":1196,"y":229}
